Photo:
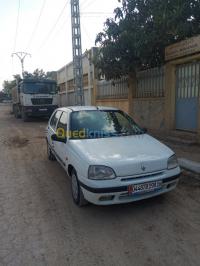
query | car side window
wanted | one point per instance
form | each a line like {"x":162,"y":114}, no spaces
{"x":55,"y":119}
{"x":62,"y":124}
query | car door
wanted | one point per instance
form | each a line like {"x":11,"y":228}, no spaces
{"x":52,"y":127}
{"x":60,"y":148}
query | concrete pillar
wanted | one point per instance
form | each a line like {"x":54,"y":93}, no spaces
{"x":170,"y":96}
{"x":132,"y":83}
{"x":94,"y":91}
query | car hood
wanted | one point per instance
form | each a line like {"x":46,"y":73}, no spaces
{"x":129,"y":155}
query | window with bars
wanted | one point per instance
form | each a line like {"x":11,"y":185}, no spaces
{"x":62,"y":87}
{"x":113,"y":89}
{"x":188,"y":80}
{"x":150,"y":83}
{"x":70,"y":85}
{"x":85,"y":80}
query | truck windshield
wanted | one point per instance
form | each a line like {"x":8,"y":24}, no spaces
{"x":39,"y":88}
{"x":102,"y":124}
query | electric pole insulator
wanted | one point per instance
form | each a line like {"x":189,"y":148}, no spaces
{"x":77,"y":53}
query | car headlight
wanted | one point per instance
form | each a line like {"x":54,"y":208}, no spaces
{"x":172,"y":162}
{"x":99,"y":172}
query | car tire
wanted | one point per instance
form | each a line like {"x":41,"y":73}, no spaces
{"x":77,"y":193}
{"x":50,"y":155}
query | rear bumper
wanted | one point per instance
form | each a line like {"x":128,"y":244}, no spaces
{"x":117,"y":195}
{"x":40,"y":111}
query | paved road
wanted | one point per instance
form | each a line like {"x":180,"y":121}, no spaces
{"x":40,"y":225}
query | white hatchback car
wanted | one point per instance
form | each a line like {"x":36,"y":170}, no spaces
{"x":109,"y":158}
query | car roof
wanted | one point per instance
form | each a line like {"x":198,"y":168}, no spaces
{"x":87,"y":108}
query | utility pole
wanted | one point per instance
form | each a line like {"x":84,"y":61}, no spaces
{"x":77,"y":53}
{"x":21,"y":56}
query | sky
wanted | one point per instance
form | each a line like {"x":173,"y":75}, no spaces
{"x":43,"y":29}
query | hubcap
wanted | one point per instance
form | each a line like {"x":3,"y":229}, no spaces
{"x":74,"y":187}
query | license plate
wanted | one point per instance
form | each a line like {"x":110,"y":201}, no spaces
{"x":144,"y":188}
{"x":43,"y":110}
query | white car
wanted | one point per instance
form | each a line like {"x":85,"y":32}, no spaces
{"x":109,"y":158}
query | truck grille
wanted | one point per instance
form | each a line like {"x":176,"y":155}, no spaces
{"x":41,"y":101}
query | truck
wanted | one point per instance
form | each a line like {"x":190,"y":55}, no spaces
{"x":34,"y":98}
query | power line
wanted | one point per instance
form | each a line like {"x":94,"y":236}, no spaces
{"x":62,"y":26}
{"x":86,"y":33}
{"x":95,"y":14}
{"x":54,"y":25}
{"x":87,"y":4}
{"x":17,"y":25}
{"x":36,"y":25}
{"x":12,"y":66}
{"x":83,"y":3}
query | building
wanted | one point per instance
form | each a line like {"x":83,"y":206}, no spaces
{"x":165,"y":99}
{"x":66,"y":82}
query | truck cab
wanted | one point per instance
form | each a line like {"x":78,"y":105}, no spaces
{"x":34,"y":98}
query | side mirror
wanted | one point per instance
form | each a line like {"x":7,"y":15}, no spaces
{"x":54,"y":137}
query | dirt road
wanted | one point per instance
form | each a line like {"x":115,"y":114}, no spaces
{"x":40,"y":225}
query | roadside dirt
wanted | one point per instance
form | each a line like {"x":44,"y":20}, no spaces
{"x":16,"y":141}
{"x":40,"y":225}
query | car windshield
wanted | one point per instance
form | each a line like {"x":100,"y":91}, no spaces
{"x":39,"y":87}
{"x":102,"y":124}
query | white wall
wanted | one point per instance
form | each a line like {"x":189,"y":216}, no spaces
{"x":66,"y":73}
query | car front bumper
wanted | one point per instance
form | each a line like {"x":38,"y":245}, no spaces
{"x":120,"y":194}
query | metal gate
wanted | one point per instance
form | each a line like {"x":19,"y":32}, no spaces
{"x":187,"y":96}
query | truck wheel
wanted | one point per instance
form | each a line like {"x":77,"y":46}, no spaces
{"x":24,"y":116}
{"x":16,"y":112}
{"x":77,"y":193}
{"x":50,"y":155}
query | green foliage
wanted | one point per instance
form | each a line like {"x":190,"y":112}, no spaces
{"x":136,"y":38}
{"x":37,"y":74}
{"x":8,"y":85}
{"x":2,"y":96}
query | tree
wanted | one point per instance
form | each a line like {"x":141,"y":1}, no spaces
{"x":136,"y":38}
{"x":8,"y":85}
{"x":37,"y":74}
{"x":2,"y":96}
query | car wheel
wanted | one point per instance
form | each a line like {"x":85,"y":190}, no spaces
{"x":77,"y":193}
{"x":50,"y":155}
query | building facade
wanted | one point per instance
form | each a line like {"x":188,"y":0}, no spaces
{"x":66,"y":81}
{"x":165,"y":98}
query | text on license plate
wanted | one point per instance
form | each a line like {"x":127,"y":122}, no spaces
{"x":145,"y":187}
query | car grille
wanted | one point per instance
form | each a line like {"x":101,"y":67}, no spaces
{"x":41,"y":101}
{"x":142,"y":176}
